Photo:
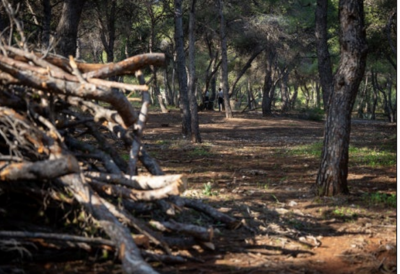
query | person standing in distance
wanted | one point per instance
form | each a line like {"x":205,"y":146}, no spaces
{"x":220,"y":99}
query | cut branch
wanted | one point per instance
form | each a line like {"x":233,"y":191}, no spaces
{"x":49,"y":169}
{"x":139,"y":182}
{"x":201,"y":233}
{"x":133,"y":63}
{"x":140,"y":195}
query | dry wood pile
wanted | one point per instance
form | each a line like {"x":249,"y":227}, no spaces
{"x":63,"y":182}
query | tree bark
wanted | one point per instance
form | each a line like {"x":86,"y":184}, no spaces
{"x":67,"y":29}
{"x":46,"y":24}
{"x":195,"y":130}
{"x":324,"y":58}
{"x":333,"y":170}
{"x":182,"y":76}
{"x":269,"y":84}
{"x":224,"y":65}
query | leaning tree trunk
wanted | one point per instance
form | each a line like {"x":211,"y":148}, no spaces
{"x":332,"y":175}
{"x":67,"y":29}
{"x":324,"y":58}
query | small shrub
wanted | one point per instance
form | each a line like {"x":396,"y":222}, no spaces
{"x":381,"y":199}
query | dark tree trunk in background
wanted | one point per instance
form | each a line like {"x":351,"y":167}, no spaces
{"x":333,"y":171}
{"x":181,"y":70}
{"x":152,"y":40}
{"x":285,"y":91}
{"x":324,"y":58}
{"x":362,"y":99}
{"x":46,"y":21}
{"x":388,"y":106}
{"x":106,"y":18}
{"x":195,"y":136}
{"x":224,"y":65}
{"x":268,"y":88}
{"x":67,"y":29}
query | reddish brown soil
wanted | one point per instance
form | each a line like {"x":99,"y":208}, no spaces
{"x":253,"y":177}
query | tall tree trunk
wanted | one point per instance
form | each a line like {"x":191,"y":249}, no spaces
{"x":293,"y":99}
{"x":284,"y":90}
{"x":224,"y":65}
{"x":181,"y":70}
{"x":46,"y":21}
{"x":324,"y":59}
{"x":168,"y":90}
{"x":333,"y":171}
{"x":152,"y":40}
{"x":67,"y":29}
{"x":387,"y":96}
{"x":362,"y":100}
{"x":268,"y":87}
{"x":106,"y":19}
{"x":195,"y":136}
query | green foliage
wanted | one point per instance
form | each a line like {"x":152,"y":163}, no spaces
{"x":344,"y":212}
{"x":309,"y":150}
{"x":371,"y":157}
{"x":199,"y":152}
{"x":125,"y":156}
{"x":377,"y":198}
{"x":207,"y":190}
{"x":357,"y":156}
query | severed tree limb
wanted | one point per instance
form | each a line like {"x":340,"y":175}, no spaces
{"x":63,"y":62}
{"x":129,"y":254}
{"x":48,"y":169}
{"x":138,"y":182}
{"x":106,"y":160}
{"x":232,"y":223}
{"x":138,"y":224}
{"x":99,"y":113}
{"x":139,"y":127}
{"x":84,"y":90}
{"x":55,"y":236}
{"x":133,"y":63}
{"x":113,"y":84}
{"x":104,"y":144}
{"x":139,"y":195}
{"x":199,"y":232}
{"x":180,"y":242}
{"x":151,"y":256}
{"x":137,"y":207}
{"x":150,"y":163}
{"x":71,"y":66}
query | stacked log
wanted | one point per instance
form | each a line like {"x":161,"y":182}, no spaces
{"x":63,"y":127}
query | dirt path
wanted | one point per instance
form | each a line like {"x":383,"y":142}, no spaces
{"x":246,"y":168}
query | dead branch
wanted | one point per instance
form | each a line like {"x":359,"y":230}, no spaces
{"x":195,"y":204}
{"x":140,"y":195}
{"x":138,"y":182}
{"x":201,"y":233}
{"x":106,"y":160}
{"x":55,"y":236}
{"x":48,"y":116}
{"x":128,"y":252}
{"x":133,"y":63}
{"x":48,"y":169}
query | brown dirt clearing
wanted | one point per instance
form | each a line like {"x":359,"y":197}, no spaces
{"x":244,"y":168}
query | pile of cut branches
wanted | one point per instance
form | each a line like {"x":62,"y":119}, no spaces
{"x":63,"y":182}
